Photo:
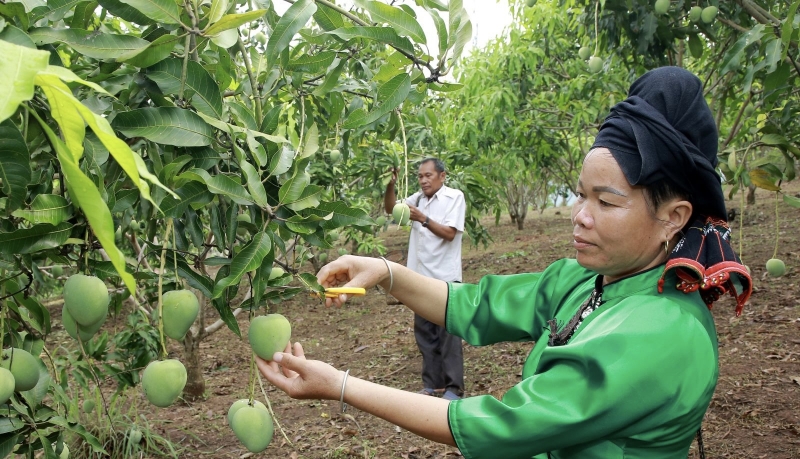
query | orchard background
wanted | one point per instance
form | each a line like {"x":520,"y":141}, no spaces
{"x":222,"y":147}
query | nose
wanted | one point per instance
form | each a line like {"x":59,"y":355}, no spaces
{"x":581,"y":216}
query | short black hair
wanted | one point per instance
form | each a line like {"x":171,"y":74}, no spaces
{"x":438,"y":164}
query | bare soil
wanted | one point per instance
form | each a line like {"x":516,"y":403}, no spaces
{"x":754,"y":413}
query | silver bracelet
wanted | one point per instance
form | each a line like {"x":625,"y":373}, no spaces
{"x":342,"y":404}
{"x":391,"y":276}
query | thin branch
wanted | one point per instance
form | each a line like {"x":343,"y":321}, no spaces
{"x":253,"y":85}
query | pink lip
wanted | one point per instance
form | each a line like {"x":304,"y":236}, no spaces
{"x":579,"y":243}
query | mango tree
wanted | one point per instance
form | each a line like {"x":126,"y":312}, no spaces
{"x":167,"y":146}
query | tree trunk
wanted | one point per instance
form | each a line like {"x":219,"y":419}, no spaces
{"x":520,"y":223}
{"x":195,"y":384}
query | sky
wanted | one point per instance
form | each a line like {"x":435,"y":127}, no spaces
{"x":489,"y":18}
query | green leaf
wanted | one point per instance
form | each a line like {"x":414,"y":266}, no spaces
{"x":312,"y":63}
{"x":441,"y":30}
{"x":311,"y":142}
{"x":46,"y":208}
{"x":92,"y":44}
{"x":463,"y":34}
{"x":775,"y":140}
{"x":15,"y":10}
{"x":281,"y":161}
{"x":165,"y":125}
{"x":385,"y":35}
{"x":231,"y":128}
{"x":248,"y":259}
{"x":404,"y":23}
{"x":126,"y":12}
{"x":328,"y":18}
{"x":195,"y":279}
{"x":233,"y":21}
{"x":309,"y":198}
{"x":338,"y":214}
{"x":85,"y":195}
{"x":695,"y":46}
{"x":391,"y":94}
{"x":35,"y":238}
{"x":190,"y":193}
{"x":166,"y":11}
{"x":763,"y":179}
{"x":289,"y":24}
{"x":7,"y":444}
{"x":791,"y":200}
{"x":773,"y":54}
{"x":445,"y":87}
{"x":158,"y":50}
{"x":217,"y":10}
{"x":219,"y":184}
{"x":15,"y":166}
{"x":18,"y":67}
{"x":167,"y":75}
{"x":331,"y":80}
{"x":293,"y":188}
{"x":16,"y":36}
{"x":254,"y":184}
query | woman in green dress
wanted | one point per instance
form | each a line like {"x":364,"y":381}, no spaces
{"x":624,"y":361}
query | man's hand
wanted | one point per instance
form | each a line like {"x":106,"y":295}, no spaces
{"x":416,"y":214}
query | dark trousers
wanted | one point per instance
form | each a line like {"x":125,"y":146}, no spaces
{"x":442,"y":356}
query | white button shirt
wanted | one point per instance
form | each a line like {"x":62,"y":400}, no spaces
{"x":428,"y":254}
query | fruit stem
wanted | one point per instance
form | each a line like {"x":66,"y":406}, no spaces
{"x":775,"y":253}
{"x":175,"y":258}
{"x":96,"y":380}
{"x":269,"y":407}
{"x":252,"y":391}
{"x":405,"y":154}
{"x":596,"y":26}
{"x":161,"y":289}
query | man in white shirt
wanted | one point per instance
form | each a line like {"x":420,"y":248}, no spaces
{"x":434,"y":250}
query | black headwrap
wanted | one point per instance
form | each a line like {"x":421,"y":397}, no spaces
{"x":665,"y":130}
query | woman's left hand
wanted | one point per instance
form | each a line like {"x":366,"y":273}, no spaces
{"x":290,"y":372}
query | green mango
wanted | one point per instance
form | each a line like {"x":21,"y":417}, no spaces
{"x":241,"y":403}
{"x":708,"y":14}
{"x":179,"y":310}
{"x":584,"y":52}
{"x":401,"y":213}
{"x":74,"y":329}
{"x":86,"y":298}
{"x":88,"y":405}
{"x":163,"y":381}
{"x":776,"y":267}
{"x":269,"y":334}
{"x":253,"y":427}
{"x":694,"y":13}
{"x":23,"y":366}
{"x":276,"y":272}
{"x":6,"y":385}
{"x":595,"y":64}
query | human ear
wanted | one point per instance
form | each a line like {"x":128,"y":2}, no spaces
{"x":677,"y":214}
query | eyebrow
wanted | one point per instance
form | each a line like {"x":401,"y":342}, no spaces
{"x":604,"y":189}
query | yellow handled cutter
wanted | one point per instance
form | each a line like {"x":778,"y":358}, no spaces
{"x":334,"y":292}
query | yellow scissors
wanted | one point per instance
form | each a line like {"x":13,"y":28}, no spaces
{"x":334,"y":292}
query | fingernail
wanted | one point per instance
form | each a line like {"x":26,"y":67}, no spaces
{"x":342,"y":297}
{"x":277,"y":357}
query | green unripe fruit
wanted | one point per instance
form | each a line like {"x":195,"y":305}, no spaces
{"x":57,"y":271}
{"x":64,"y":452}
{"x":342,"y":252}
{"x":748,"y":111}
{"x":401,"y":213}
{"x":88,"y":405}
{"x":595,"y":64}
{"x":322,"y":257}
{"x":6,"y":385}
{"x":276,"y":272}
{"x":776,"y":267}
{"x":179,"y":309}
{"x":134,"y":436}
{"x":694,"y":13}
{"x":335,"y":156}
{"x":530,"y":3}
{"x":241,"y":403}
{"x":118,"y":235}
{"x":708,"y":14}
{"x":584,"y":52}
{"x":134,"y":226}
{"x":163,"y":381}
{"x":23,"y":366}
{"x":380,"y":221}
{"x":253,"y":427}
{"x":74,"y":329}
{"x":86,"y":299}
{"x":269,"y":334}
{"x":334,"y":235}
{"x":261,"y":38}
{"x":661,"y":6}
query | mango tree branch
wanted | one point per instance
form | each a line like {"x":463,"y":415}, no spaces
{"x":253,"y":85}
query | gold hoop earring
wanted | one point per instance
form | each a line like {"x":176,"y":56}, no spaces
{"x":666,"y":247}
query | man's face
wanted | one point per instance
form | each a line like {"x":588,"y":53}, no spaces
{"x":429,"y":180}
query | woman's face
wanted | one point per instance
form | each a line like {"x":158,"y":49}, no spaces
{"x":614,"y":232}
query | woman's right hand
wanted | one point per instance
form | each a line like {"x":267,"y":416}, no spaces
{"x":351,"y":271}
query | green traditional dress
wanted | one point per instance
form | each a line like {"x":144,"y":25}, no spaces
{"x":633,"y":380}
